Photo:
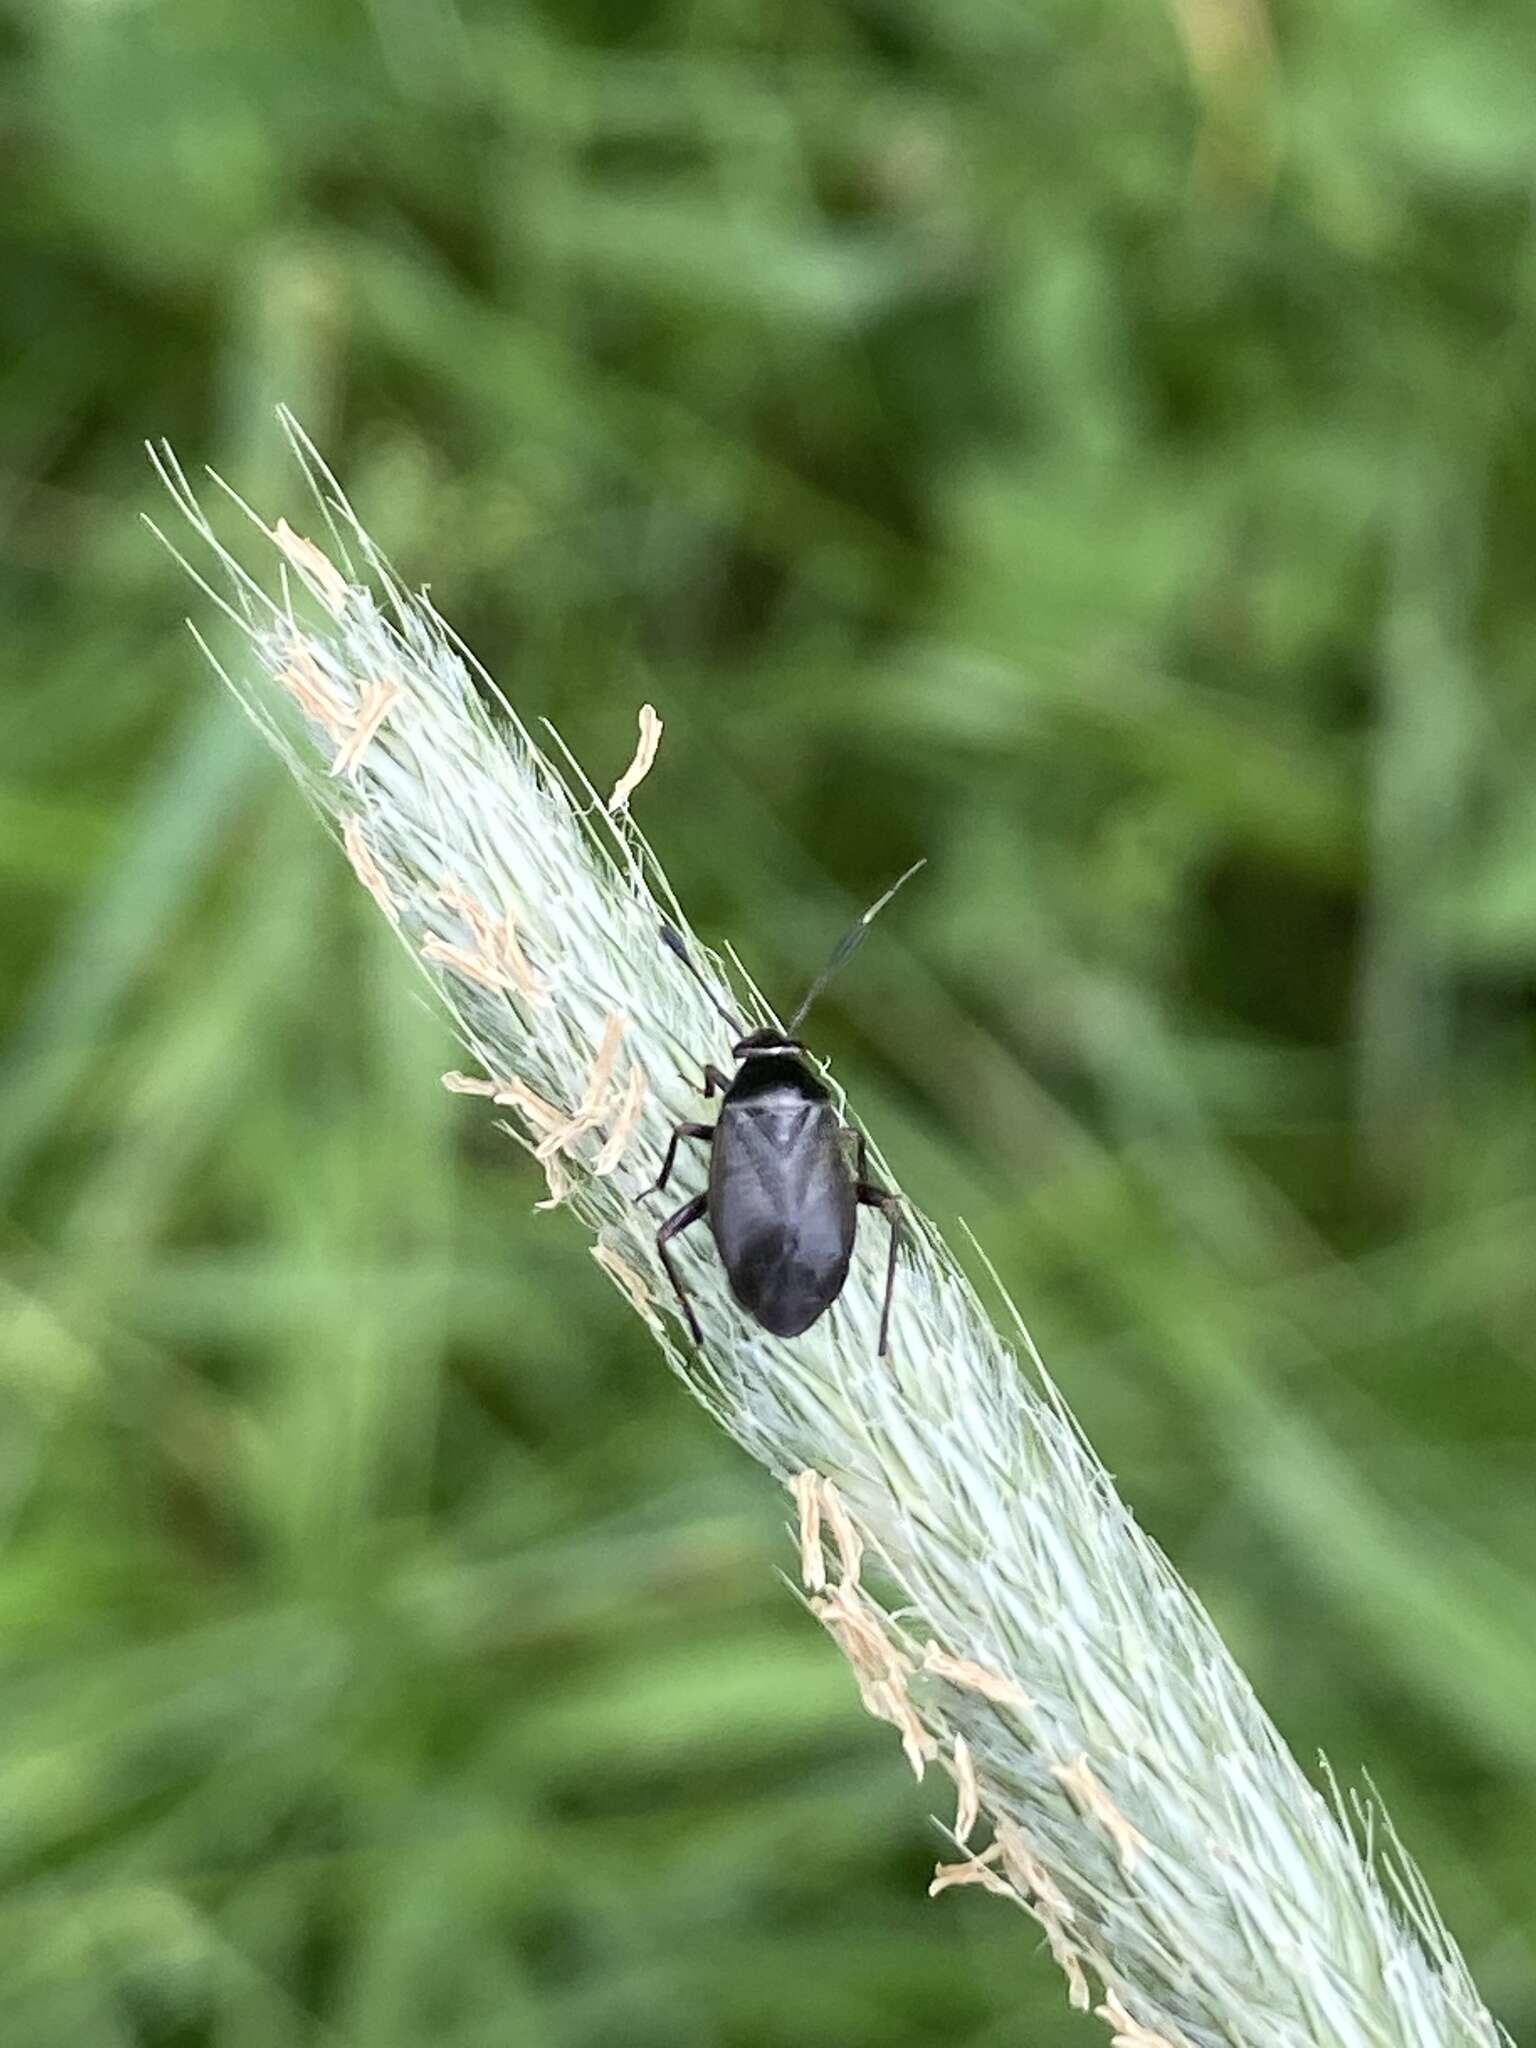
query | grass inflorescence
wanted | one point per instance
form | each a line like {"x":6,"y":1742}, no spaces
{"x":1112,"y":1772}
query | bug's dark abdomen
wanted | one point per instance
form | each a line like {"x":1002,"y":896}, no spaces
{"x":782,"y":1205}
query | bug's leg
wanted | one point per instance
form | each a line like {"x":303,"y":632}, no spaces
{"x":881,"y":1198}
{"x":873,"y":1196}
{"x":706,"y":1131}
{"x":715,"y":1083}
{"x":681,"y":1220}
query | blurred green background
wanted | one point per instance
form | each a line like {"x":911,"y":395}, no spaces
{"x":1093,"y":445}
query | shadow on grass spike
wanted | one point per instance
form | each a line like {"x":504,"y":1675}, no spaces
{"x":782,"y":1198}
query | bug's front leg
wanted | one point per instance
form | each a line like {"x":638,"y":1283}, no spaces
{"x":684,"y":1130}
{"x":681,"y":1220}
{"x":715,"y":1083}
{"x":873,"y":1196}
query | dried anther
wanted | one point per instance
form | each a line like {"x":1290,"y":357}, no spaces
{"x":1066,"y":1959}
{"x":373,"y":707}
{"x":558,"y":1180}
{"x":470,"y":965}
{"x":310,"y":688}
{"x":879,"y":1668}
{"x":589,"y":1111}
{"x":518,"y":1095}
{"x":536,"y":1111}
{"x":315,"y":566}
{"x":1046,"y":1903}
{"x":496,"y":942}
{"x":806,"y":1487}
{"x":632,"y":1282}
{"x":509,"y":1094}
{"x":1129,"y":2032}
{"x":1095,"y":1804}
{"x":1004,"y":1692}
{"x":493,"y":958}
{"x":850,"y":1544}
{"x":1020,"y":1875}
{"x":367,"y":869}
{"x":631,"y":1102}
{"x":967,"y":1792}
{"x":640,"y":766}
{"x":1029,"y":1873}
{"x":974,"y":1870}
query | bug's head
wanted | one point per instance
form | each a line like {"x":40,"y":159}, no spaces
{"x":771,"y":1037}
{"x":768,"y":1039}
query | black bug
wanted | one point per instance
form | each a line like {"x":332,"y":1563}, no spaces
{"x":783,"y":1197}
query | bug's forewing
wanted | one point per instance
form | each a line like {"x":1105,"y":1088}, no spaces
{"x":782,"y":1209}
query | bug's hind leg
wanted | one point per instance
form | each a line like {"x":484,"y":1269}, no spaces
{"x":873,"y":1196}
{"x":681,"y":1220}
{"x":882,"y":1198}
{"x":686,"y":1130}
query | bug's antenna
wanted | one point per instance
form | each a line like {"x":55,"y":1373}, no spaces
{"x":847,"y":943}
{"x":673,"y":941}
